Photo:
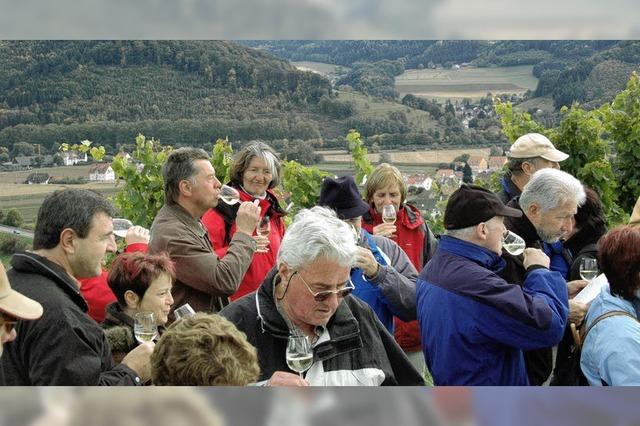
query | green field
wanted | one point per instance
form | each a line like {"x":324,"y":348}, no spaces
{"x":462,"y":83}
{"x":367,"y":106}
{"x":5,"y":258}
{"x":319,"y":67}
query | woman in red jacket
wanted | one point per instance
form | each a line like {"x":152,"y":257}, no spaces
{"x":254,"y":172}
{"x":385,"y":186}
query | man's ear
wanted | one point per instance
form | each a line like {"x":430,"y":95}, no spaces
{"x":185,"y":187}
{"x":67,"y":240}
{"x":284,"y":271}
{"x":528,"y":168}
{"x":533,"y":212}
{"x":131,"y":299}
{"x":482,"y":231}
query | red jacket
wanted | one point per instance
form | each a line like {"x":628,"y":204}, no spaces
{"x":220,"y":225}
{"x":96,"y":291}
{"x":410,"y":236}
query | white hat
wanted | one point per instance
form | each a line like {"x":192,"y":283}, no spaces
{"x":14,"y":303}
{"x":534,"y":145}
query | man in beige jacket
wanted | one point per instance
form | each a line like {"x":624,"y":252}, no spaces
{"x":191,"y":188}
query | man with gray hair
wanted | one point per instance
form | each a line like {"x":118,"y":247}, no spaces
{"x":308,"y":294}
{"x":191,"y":188}
{"x":548,"y":202}
{"x":528,"y":154}
{"x":474,"y":324}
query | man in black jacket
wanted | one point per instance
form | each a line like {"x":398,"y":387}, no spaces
{"x":308,"y":294}
{"x":65,"y":346}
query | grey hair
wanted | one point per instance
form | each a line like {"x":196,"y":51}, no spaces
{"x":249,"y":152}
{"x":315,"y":234}
{"x":462,"y":233}
{"x":550,"y":188}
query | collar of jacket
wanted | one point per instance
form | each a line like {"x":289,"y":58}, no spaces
{"x":343,"y":327}
{"x":480,"y":255}
{"x":185,"y":217}
{"x":116,"y":316}
{"x":408,"y":215}
{"x":31,"y":263}
{"x":509,"y":187}
{"x":522,"y":226}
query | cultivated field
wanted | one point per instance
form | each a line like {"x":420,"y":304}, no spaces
{"x":410,"y":158}
{"x":462,"y":83}
{"x":28,"y":198}
{"x":319,"y":67}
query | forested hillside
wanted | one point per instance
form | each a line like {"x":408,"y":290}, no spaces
{"x":585,"y":71}
{"x":180,"y":91}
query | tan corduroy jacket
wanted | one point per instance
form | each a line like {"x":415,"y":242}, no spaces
{"x":202,"y":279}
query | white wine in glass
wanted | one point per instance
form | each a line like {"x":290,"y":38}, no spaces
{"x":299,"y":354}
{"x":389,"y":214}
{"x":229,"y":195}
{"x":513,"y":243}
{"x":588,"y":268}
{"x":144,"y":327}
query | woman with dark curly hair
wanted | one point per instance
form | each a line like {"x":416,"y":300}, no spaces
{"x":611,"y":346}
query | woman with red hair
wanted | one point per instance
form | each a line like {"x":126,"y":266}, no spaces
{"x":611,"y":345}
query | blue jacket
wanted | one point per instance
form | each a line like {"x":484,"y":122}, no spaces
{"x":610,"y":351}
{"x":475,"y":325}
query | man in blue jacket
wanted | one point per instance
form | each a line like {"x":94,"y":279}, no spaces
{"x":474,"y":324}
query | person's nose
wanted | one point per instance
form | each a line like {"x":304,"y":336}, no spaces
{"x":112,"y":246}
{"x":568,"y":225}
{"x":555,"y":165}
{"x":170,"y":299}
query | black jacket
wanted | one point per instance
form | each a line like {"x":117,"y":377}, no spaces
{"x":360,"y":349}
{"x":65,"y":346}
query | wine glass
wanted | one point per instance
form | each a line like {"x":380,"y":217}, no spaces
{"x":121,"y":226}
{"x":183,"y":311}
{"x":299,"y":354}
{"x":513,"y":243}
{"x":588,"y":268}
{"x":144,"y":327}
{"x":389,"y":214}
{"x":229,"y":195}
{"x":263,"y":229}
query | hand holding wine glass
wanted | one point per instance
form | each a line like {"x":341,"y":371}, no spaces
{"x":588,"y":268}
{"x":229,"y":195}
{"x":299,"y":354}
{"x":263,"y":229}
{"x":144,"y":327}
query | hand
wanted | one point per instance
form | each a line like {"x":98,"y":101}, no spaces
{"x":366,"y":262}
{"x":247,"y":217}
{"x":577,"y":312}
{"x":262,"y":243}
{"x":385,"y":229}
{"x":534,"y":256}
{"x":575,"y":286}
{"x":282,"y":378}
{"x":139,"y":360}
{"x":137,"y":234}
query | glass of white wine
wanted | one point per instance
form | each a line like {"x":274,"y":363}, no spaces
{"x":121,"y":226}
{"x":513,"y":243}
{"x":263,"y":229}
{"x":229,"y":195}
{"x":588,"y":268}
{"x":389,"y":214}
{"x":299,"y":354}
{"x":145,"y":328}
{"x":183,"y":311}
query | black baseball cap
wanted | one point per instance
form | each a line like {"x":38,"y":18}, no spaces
{"x":470,"y":205}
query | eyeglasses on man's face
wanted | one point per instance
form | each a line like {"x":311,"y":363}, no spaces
{"x":321,"y":296}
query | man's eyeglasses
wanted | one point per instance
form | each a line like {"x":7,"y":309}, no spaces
{"x":7,"y":322}
{"x":321,"y":296}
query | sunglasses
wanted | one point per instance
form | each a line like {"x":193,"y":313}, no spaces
{"x":321,"y":296}
{"x":8,"y":323}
